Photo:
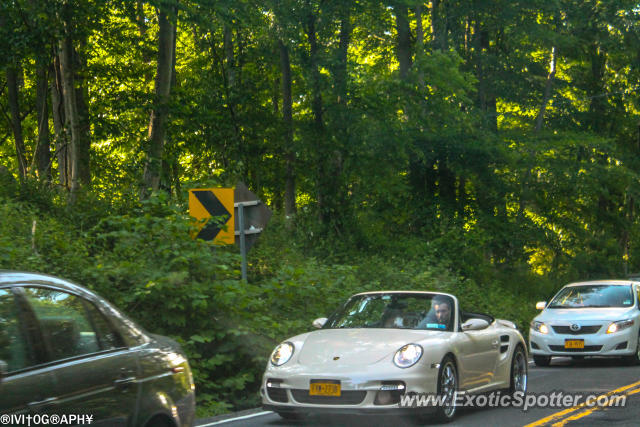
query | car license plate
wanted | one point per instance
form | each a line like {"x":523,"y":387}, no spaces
{"x":573,"y":343}
{"x":324,"y":388}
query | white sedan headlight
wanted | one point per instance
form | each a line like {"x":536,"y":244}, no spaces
{"x":282,"y":354}
{"x":407,"y":356}
{"x":620,"y":325}
{"x":540,"y":327}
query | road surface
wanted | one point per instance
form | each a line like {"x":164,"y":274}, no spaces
{"x":604,"y":378}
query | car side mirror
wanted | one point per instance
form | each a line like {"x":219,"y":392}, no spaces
{"x":540,"y":305}
{"x":4,"y":370}
{"x":319,"y":322}
{"x":474,"y":324}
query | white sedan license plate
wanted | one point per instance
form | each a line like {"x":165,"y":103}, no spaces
{"x":324,"y":388}
{"x":573,"y":343}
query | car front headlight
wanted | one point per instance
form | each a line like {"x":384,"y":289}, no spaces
{"x":282,"y":354}
{"x":407,"y":356}
{"x":540,"y":327}
{"x":619,"y":325}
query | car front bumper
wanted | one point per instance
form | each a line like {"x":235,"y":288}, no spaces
{"x":620,"y":343}
{"x":368,"y":391}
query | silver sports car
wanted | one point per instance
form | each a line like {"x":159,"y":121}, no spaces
{"x":381,"y":348}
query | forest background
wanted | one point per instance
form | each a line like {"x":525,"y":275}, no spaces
{"x":485,"y":148}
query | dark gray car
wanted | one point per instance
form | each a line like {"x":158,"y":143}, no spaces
{"x":64,"y":352}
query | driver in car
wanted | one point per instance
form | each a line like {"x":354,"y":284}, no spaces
{"x":440,"y":315}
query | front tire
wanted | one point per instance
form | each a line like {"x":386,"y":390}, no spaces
{"x":519,"y":371}
{"x":448,"y":388}
{"x":542,"y":360}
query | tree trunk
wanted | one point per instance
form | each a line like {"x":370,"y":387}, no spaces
{"x":71,"y":109}
{"x":43,"y":149}
{"x":323,"y":194}
{"x":59,"y":120}
{"x":439,"y":25}
{"x":16,"y":123}
{"x":596,"y":87}
{"x":420,"y":52}
{"x":547,"y":90}
{"x":229,"y":57}
{"x":157,"y":123}
{"x":403,"y":49}
{"x":173,"y":171}
{"x":486,"y":99}
{"x":83,"y":149}
{"x":287,"y":118}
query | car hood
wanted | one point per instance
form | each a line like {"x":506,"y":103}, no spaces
{"x":359,"y":346}
{"x":577,"y":314}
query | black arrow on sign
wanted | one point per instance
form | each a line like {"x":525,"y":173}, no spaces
{"x":216,"y":209}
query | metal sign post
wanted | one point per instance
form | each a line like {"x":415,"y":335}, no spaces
{"x":243,"y":249}
{"x":243,"y":223}
{"x":242,"y":231}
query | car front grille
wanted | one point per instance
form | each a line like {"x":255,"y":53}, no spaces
{"x":586,"y":348}
{"x":584,"y":330}
{"x":347,"y":397}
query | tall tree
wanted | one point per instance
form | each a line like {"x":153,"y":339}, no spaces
{"x":287,"y":117}
{"x":73,"y":93}
{"x":60,"y":130}
{"x":13,"y":74}
{"x":159,"y":114}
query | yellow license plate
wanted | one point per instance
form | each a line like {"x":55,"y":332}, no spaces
{"x":574,"y":344}
{"x":324,"y":389}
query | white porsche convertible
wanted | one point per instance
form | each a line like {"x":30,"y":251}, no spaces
{"x":381,"y":347}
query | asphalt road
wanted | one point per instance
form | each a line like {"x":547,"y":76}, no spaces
{"x":586,"y":377}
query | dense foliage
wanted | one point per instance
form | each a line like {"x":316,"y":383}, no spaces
{"x":489,"y":149}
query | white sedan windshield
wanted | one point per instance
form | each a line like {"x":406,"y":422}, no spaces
{"x":593,"y":296}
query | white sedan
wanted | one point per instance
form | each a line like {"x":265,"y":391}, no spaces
{"x":381,"y":347}
{"x":599,"y":318}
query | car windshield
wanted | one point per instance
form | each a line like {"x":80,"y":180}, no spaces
{"x":395,"y":311}
{"x":593,"y":296}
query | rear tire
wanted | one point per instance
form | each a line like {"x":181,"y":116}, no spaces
{"x":542,"y":360}
{"x":519,"y":371}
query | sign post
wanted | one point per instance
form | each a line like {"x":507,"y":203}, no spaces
{"x":243,"y":249}
{"x":252,"y":216}
{"x":243,"y":215}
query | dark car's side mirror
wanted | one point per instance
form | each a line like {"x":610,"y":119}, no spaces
{"x":4,"y":370}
